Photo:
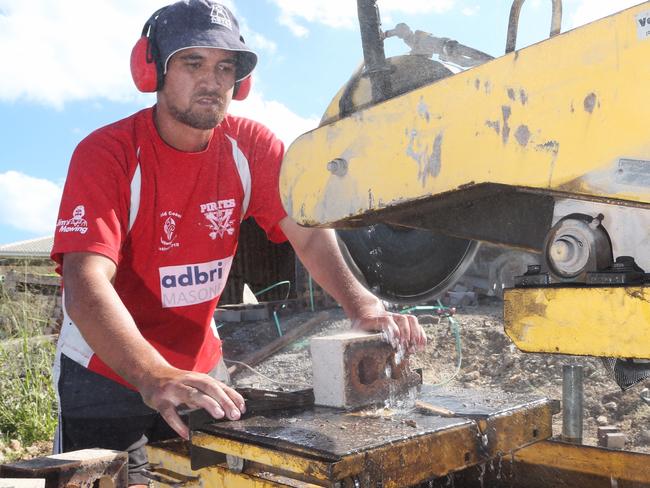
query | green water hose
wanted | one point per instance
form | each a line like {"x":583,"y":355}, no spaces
{"x":276,"y":320}
{"x":311,"y":293}
{"x":269,"y":288}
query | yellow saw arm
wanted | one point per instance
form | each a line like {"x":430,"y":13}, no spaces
{"x":565,"y":116}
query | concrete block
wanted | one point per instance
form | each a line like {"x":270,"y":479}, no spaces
{"x":616,"y":440}
{"x":223,"y":314}
{"x":242,"y":313}
{"x":355,"y":369}
{"x":254,"y":313}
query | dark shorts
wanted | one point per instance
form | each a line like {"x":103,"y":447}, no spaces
{"x":97,"y":412}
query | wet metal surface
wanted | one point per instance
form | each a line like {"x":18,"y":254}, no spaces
{"x":332,"y":434}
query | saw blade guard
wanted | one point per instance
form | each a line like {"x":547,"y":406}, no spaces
{"x":399,"y":264}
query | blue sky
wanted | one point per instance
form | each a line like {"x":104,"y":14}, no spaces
{"x":65,"y":72}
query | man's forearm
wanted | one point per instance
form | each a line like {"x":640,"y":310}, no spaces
{"x":108,"y":328}
{"x":319,"y":252}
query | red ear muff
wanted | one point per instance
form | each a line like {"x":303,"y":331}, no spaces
{"x":242,"y":88}
{"x":143,"y":67}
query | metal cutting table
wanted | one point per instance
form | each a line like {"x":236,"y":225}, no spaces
{"x":388,"y":447}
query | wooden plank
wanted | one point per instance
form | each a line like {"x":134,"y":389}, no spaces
{"x":70,"y":469}
{"x":292,"y":335}
{"x":555,"y":457}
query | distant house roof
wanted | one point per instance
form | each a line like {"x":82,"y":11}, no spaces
{"x":33,"y":248}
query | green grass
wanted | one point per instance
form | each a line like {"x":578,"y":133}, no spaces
{"x":24,"y":313}
{"x":27,"y":401}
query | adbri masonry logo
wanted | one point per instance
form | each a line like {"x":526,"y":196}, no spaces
{"x":76,"y":224}
{"x":168,"y":239}
{"x":219,"y":216}
{"x":220,"y":16}
{"x":190,"y":284}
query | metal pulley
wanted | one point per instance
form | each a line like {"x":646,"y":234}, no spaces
{"x":578,"y":244}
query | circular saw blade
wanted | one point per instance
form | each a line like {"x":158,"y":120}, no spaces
{"x":399,"y":264}
{"x":403,"y":265}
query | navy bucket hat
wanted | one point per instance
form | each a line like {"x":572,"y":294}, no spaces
{"x":202,"y":23}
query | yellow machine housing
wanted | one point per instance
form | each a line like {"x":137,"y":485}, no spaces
{"x":562,"y":118}
{"x":502,"y":153}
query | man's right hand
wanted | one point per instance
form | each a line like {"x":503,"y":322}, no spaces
{"x":107,"y":326}
{"x":175,"y":388}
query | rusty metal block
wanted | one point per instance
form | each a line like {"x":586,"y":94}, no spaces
{"x":356,"y":369}
{"x":603,"y":432}
{"x":74,"y":469}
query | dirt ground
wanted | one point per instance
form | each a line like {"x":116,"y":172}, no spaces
{"x":490,"y":361}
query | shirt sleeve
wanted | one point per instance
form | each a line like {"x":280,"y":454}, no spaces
{"x":265,"y":204}
{"x":93,"y":215}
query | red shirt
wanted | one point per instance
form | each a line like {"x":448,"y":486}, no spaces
{"x":170,"y":221}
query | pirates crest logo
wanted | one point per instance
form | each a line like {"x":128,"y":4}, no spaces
{"x":219,"y":217}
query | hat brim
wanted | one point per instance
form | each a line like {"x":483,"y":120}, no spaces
{"x":246,"y":59}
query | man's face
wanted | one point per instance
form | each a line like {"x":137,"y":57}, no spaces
{"x":198,"y":86}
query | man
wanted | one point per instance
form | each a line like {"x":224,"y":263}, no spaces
{"x":146,"y":234}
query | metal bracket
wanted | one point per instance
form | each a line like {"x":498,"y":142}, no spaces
{"x":426,"y":44}
{"x":374,"y":55}
{"x":168,"y":478}
{"x":513,"y":24}
{"x":235,"y":463}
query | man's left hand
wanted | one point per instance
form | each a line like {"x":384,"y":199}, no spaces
{"x":402,"y":330}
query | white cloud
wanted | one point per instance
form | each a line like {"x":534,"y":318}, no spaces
{"x":343,"y":13}
{"x":279,"y":118}
{"x":590,"y":10}
{"x":28,"y":203}
{"x":260,"y":43}
{"x":55,"y":52}
{"x":417,"y":6}
{"x":288,"y":19}
{"x":471,"y":11}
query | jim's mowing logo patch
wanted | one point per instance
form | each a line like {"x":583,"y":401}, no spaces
{"x":76,"y":224}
